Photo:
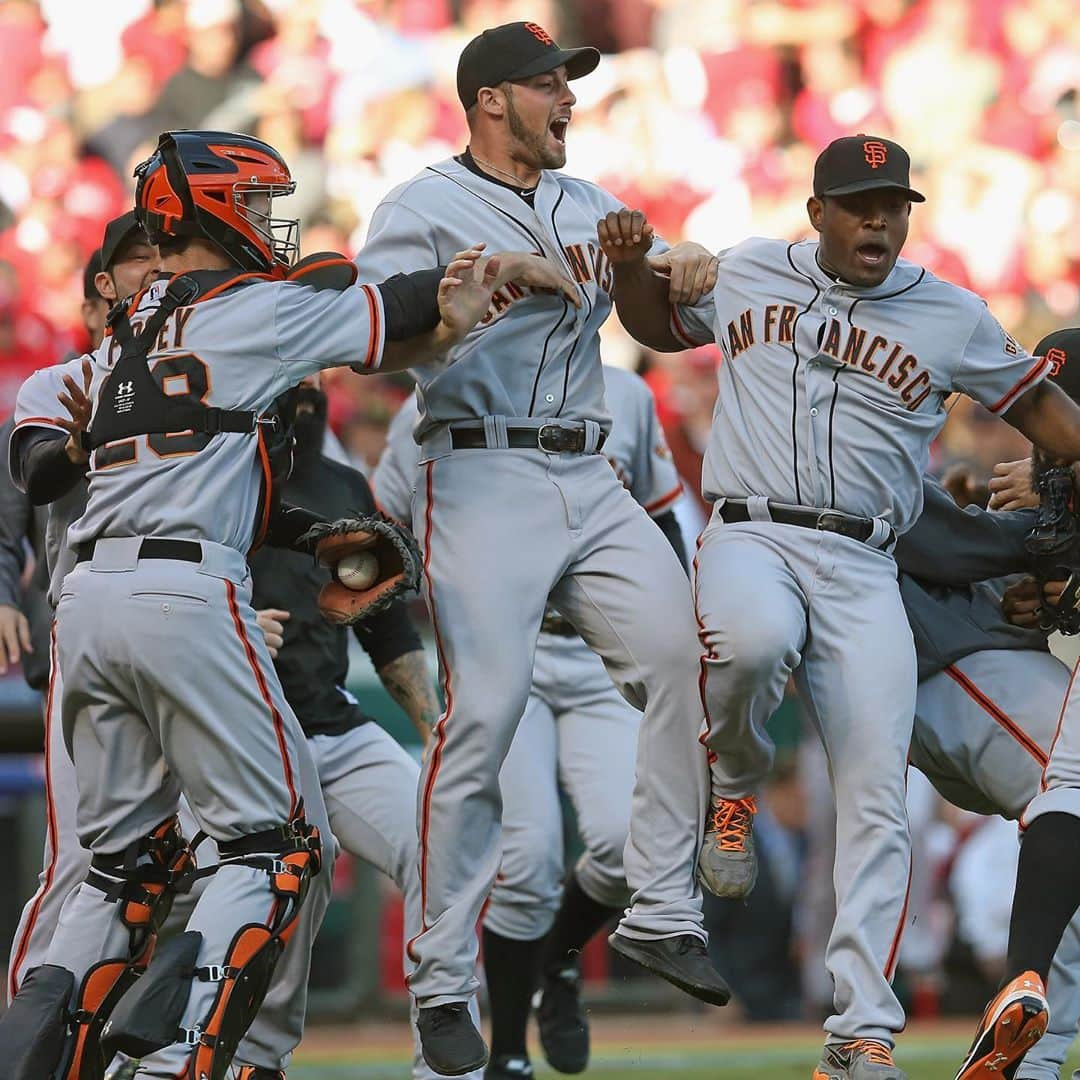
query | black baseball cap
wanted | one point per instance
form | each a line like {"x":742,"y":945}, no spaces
{"x":516,"y":51}
{"x":861,"y":162}
{"x":1062,"y":349}
{"x":119,"y":233}
{"x":91,"y":271}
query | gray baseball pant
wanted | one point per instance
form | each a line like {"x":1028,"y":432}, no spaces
{"x":502,"y":531}
{"x":776,"y":601}
{"x":178,"y":694}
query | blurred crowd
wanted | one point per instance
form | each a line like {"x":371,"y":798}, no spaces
{"x":706,"y":114}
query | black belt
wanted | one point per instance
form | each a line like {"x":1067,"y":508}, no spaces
{"x":151,"y":548}
{"x":551,"y":438}
{"x":858,"y":528}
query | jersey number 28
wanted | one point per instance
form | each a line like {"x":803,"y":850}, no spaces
{"x":184,"y":377}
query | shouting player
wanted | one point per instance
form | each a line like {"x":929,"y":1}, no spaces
{"x":838,"y":356}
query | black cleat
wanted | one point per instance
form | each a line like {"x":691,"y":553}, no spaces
{"x":509,"y":1067}
{"x":449,"y":1041}
{"x":564,"y":1031}
{"x":682,"y":960}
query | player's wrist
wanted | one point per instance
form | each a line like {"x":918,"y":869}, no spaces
{"x":75,"y":451}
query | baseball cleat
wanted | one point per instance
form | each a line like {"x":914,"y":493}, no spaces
{"x":727,"y":863}
{"x":860,"y":1059}
{"x":449,"y":1041}
{"x":1014,"y":1021}
{"x":564,"y":1031}
{"x":681,"y":960}
{"x":508,"y":1067}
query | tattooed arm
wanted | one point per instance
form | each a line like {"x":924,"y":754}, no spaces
{"x":408,"y":682}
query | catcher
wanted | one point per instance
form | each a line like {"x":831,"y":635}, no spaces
{"x":179,"y":490}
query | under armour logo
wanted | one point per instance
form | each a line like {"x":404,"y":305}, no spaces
{"x":125,"y":397}
{"x":539,"y":33}
{"x":875,"y":153}
{"x":1057,"y":360}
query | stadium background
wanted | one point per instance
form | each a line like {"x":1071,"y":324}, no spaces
{"x":707,"y":114}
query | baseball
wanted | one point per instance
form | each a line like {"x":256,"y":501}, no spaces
{"x":358,"y":571}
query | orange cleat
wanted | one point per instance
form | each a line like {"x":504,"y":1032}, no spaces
{"x":1014,"y":1021}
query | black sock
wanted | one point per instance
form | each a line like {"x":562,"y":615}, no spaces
{"x":511,"y":969}
{"x":578,"y":918}
{"x":1047,"y":892}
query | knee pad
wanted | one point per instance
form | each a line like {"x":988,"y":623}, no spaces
{"x":150,"y":1015}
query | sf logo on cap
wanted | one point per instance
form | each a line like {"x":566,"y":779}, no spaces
{"x":1057,"y":359}
{"x":539,"y":33}
{"x":875,"y":153}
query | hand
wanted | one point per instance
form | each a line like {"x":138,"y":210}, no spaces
{"x":79,"y":406}
{"x":1010,"y":486}
{"x":691,"y":268}
{"x":534,"y":271}
{"x":625,"y":236}
{"x":272,"y":624}
{"x":14,"y":636}
{"x":1021,"y":603}
{"x":465,"y":294}
{"x":959,"y":481}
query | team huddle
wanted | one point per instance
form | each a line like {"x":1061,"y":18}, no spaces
{"x":207,"y":564}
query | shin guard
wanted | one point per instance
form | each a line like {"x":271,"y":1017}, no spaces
{"x":289,"y":855}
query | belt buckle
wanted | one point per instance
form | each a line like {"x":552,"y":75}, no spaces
{"x":830,"y":521}
{"x":553,"y":439}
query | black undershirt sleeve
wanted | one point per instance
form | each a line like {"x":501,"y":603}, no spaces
{"x":669,"y":526}
{"x":387,"y":636}
{"x":411,"y":303}
{"x":287,"y":524}
{"x":46,"y":469}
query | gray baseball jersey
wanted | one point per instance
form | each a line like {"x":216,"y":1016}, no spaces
{"x":543,"y":362}
{"x":830,"y":395}
{"x":278,"y":334}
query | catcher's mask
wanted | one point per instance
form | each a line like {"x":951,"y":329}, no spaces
{"x":220,"y":186}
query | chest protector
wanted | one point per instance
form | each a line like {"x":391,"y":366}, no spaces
{"x":132,"y":403}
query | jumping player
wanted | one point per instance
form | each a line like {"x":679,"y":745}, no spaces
{"x":515,"y":505}
{"x":838,"y":356}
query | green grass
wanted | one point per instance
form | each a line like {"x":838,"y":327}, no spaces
{"x":929,"y":1059}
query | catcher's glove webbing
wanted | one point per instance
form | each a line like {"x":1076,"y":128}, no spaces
{"x":399,"y":564}
{"x":1054,"y":544}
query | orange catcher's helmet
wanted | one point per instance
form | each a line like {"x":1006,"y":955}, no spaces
{"x":219,"y":186}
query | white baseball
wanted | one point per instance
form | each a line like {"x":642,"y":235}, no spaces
{"x":358,"y":571}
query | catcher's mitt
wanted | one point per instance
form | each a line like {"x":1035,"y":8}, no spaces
{"x":395,"y":549}
{"x":1054,"y":544}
